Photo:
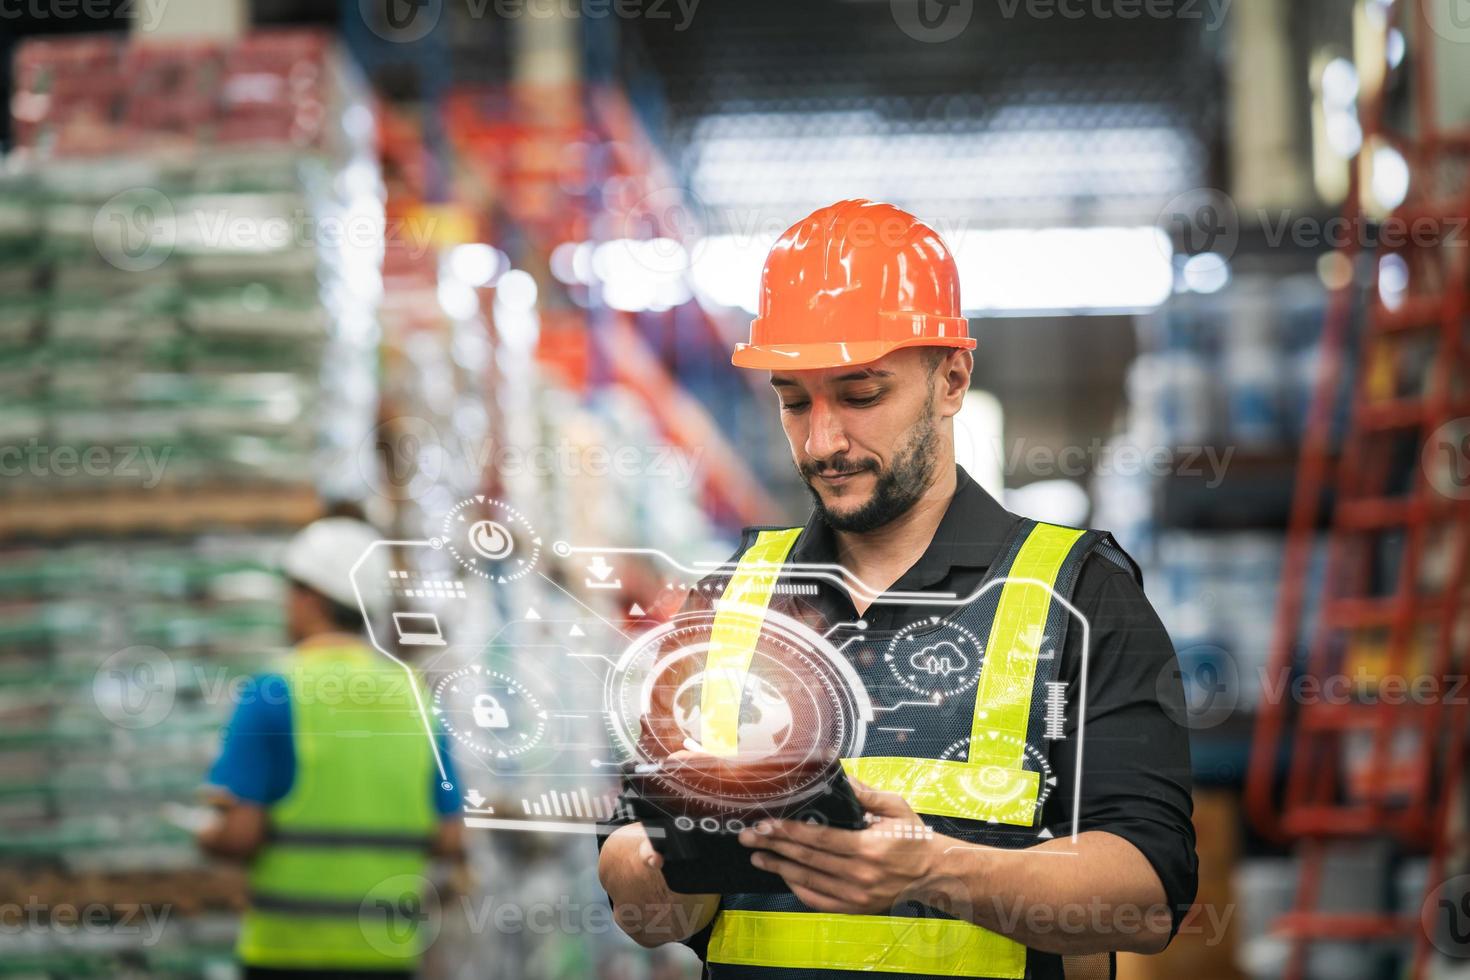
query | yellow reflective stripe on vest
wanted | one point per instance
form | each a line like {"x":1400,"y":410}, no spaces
{"x":950,"y":788}
{"x":877,"y":943}
{"x":989,"y":785}
{"x":1008,"y":672}
{"x":733,"y":638}
{"x":350,"y":838}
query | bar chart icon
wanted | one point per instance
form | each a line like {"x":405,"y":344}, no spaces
{"x":577,"y":803}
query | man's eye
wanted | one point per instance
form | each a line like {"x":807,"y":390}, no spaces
{"x":858,"y":401}
{"x":793,"y":406}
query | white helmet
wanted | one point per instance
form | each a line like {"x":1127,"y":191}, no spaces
{"x":322,"y":554}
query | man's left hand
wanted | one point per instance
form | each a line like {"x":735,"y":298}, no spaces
{"x":850,"y":871}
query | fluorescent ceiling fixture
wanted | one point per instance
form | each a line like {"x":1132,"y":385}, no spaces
{"x":727,"y":269}
{"x":563,"y":263}
{"x":1206,"y":272}
{"x":515,"y":311}
{"x":516,"y":290}
{"x":1390,"y":177}
{"x":1015,"y":271}
{"x":475,"y":265}
{"x":640,"y":274}
{"x":1056,"y":501}
{"x":1068,"y":270}
{"x":458,"y":299}
{"x":978,"y":431}
{"x":1344,"y":132}
{"x":1396,"y":47}
{"x":747,"y":162}
{"x":1339,"y":83}
{"x":1393,"y":280}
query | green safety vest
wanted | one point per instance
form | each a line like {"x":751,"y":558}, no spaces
{"x":1016,"y":618}
{"x":340,"y":881}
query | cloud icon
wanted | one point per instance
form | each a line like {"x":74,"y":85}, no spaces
{"x":940,"y":660}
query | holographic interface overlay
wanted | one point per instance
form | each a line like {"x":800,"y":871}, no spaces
{"x":801,"y":708}
{"x":544,"y":681}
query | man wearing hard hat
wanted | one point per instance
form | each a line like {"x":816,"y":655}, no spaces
{"x":860,"y":328}
{"x":326,"y":785}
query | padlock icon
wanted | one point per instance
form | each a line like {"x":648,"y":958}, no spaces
{"x":489,"y":713}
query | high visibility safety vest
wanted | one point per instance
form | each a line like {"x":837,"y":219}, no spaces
{"x":985,"y":791}
{"x":339,"y":883}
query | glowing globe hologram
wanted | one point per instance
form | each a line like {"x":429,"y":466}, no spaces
{"x":765,"y":722}
{"x":801,"y":706}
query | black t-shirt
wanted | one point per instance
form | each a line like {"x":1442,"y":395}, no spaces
{"x":1135,"y":767}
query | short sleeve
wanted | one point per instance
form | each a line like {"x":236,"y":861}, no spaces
{"x":257,"y":760}
{"x":446,"y":791}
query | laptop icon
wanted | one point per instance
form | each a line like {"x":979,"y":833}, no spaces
{"x":418,"y":629}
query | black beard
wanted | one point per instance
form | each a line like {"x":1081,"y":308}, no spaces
{"x":897,"y":489}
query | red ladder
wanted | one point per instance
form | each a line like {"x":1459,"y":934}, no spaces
{"x":1381,"y":762}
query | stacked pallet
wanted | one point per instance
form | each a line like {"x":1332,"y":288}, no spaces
{"x":190,"y":239}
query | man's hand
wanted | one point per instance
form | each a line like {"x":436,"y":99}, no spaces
{"x":643,"y":906}
{"x":238,"y":833}
{"x":867,"y":872}
{"x":851,"y":871}
{"x":646,"y":853}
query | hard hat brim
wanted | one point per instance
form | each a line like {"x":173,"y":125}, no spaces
{"x":810,"y":357}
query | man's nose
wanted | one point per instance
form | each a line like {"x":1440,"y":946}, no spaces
{"x":825,"y":437}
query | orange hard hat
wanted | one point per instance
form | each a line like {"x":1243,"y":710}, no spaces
{"x":849,"y":283}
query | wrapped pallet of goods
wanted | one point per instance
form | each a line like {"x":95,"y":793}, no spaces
{"x":190,"y":243}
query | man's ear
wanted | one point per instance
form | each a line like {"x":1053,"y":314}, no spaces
{"x":954,"y":374}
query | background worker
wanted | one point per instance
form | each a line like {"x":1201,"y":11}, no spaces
{"x":869,"y":359}
{"x":326,"y":785}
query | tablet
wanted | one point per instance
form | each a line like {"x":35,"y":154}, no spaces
{"x":701,"y":848}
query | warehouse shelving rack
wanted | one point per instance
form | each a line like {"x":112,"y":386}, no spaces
{"x":501,"y":138}
{"x":1380,"y":767}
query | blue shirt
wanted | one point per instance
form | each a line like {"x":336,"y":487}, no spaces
{"x":257,"y":762}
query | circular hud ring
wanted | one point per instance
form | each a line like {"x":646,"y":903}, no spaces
{"x":491,"y":539}
{"x":935,"y":659}
{"x":994,"y":791}
{"x":801,"y":707}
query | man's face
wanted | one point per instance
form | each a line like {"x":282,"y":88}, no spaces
{"x":866,"y":439}
{"x":303,"y":613}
